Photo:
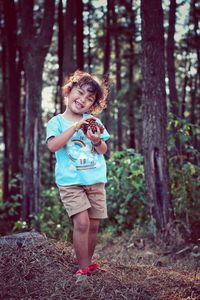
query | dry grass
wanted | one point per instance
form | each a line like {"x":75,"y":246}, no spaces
{"x":43,"y":269}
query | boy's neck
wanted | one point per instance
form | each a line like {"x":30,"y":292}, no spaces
{"x":71,"y":116}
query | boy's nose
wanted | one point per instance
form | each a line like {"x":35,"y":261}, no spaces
{"x":83,"y":98}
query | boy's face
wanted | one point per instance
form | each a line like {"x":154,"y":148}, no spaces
{"x":81,"y":99}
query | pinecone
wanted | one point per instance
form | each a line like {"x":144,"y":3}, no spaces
{"x":92,"y":124}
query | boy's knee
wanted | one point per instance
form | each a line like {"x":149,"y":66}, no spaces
{"x":81,"y":226}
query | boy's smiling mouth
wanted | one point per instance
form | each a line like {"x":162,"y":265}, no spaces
{"x":78,"y":104}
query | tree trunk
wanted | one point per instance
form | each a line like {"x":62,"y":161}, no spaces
{"x":31,"y":178}
{"x":69,"y":28}
{"x":131,"y":110}
{"x":185,"y":84}
{"x":6,"y":156}
{"x":118,"y":76}
{"x":195,"y":16}
{"x":107,"y":45}
{"x":79,"y":35}
{"x":170,"y":59}
{"x":173,"y":96}
{"x":193,"y":115}
{"x":12,"y":94}
{"x":195,"y":101}
{"x":106,"y":61}
{"x":34,"y":49}
{"x":155,"y":112}
{"x":90,"y":10}
{"x":60,"y":53}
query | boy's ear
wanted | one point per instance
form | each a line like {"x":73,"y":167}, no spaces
{"x":66,"y":89}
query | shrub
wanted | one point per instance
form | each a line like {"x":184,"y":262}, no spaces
{"x":184,"y":171}
{"x":185,"y":187}
{"x":125,"y":189}
{"x":52,"y":219}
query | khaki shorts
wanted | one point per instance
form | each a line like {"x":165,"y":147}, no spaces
{"x":77,"y":198}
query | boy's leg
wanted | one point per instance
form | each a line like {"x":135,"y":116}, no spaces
{"x":92,"y":236}
{"x":97,"y":197}
{"x":81,"y":223}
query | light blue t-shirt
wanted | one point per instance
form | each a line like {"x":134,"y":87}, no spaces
{"x":77,"y":162}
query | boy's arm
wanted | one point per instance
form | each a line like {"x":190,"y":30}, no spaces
{"x":99,"y":144}
{"x":54,"y":143}
{"x":57,"y":142}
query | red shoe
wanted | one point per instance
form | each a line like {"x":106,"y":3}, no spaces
{"x":95,"y":266}
{"x":81,"y":272}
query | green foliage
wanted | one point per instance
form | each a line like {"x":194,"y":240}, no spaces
{"x":125,"y":189}
{"x":15,"y":203}
{"x":185,"y":189}
{"x":184,"y":171}
{"x":186,"y":134}
{"x":20,"y":225}
{"x":52,"y":219}
{"x":9,"y":209}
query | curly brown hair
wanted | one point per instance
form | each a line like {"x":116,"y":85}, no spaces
{"x":97,"y":86}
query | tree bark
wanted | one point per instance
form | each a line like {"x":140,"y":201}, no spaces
{"x":170,"y":58}
{"x":69,"y":30}
{"x":106,"y":59}
{"x":193,"y":113}
{"x":195,"y":16}
{"x":173,"y":95}
{"x":90,"y":10}
{"x":60,"y":53}
{"x":107,"y":44}
{"x":131,"y":110}
{"x":118,"y":77}
{"x":185,"y":84}
{"x":34,"y":49}
{"x":11,"y":96}
{"x":195,"y":101}
{"x":6,"y":159}
{"x":79,"y":35}
{"x":155,"y":113}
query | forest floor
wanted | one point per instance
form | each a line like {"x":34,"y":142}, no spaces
{"x":34,"y":267}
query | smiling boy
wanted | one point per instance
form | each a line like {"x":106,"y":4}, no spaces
{"x":80,"y":170}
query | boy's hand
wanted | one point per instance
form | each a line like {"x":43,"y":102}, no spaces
{"x":85,"y":122}
{"x":92,"y":125}
{"x":94,"y":137}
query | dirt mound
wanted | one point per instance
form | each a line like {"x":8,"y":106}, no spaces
{"x":37,"y":268}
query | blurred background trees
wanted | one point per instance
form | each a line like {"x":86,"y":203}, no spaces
{"x":150,"y":54}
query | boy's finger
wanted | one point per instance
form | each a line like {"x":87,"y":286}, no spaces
{"x":89,"y":133}
{"x":98,"y":130}
{"x":90,"y":118}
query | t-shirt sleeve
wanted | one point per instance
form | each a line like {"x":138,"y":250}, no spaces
{"x":53,"y":128}
{"x":105,"y":135}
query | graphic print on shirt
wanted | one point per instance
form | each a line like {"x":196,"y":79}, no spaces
{"x":82,"y":155}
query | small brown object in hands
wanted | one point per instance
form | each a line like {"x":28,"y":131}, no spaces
{"x":92,"y":124}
